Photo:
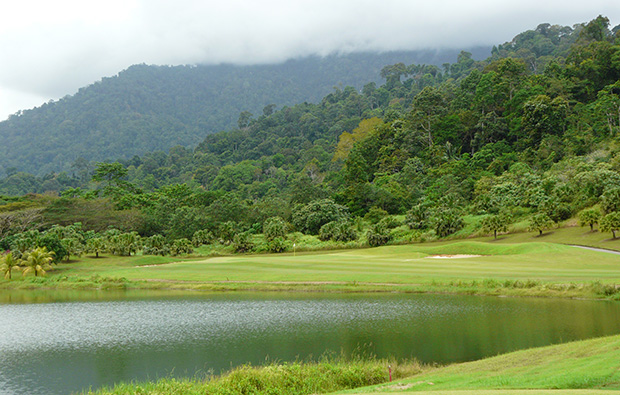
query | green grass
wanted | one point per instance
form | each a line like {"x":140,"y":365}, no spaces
{"x":586,"y":365}
{"x":294,"y":378}
{"x":582,"y":367}
{"x":515,"y":264}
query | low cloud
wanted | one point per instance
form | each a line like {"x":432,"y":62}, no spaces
{"x":50,"y":49}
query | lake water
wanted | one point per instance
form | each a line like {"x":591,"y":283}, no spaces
{"x":54,"y":343}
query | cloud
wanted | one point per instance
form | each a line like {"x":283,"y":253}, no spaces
{"x":50,"y":49}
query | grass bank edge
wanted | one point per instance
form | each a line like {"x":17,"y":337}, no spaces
{"x":584,"y":367}
{"x":592,"y":364}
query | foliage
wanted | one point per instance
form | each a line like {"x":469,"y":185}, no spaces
{"x":310,"y":217}
{"x":277,"y":244}
{"x":378,"y":235}
{"x":341,"y":230}
{"x":37,"y":261}
{"x":589,"y":217}
{"x":274,"y":227}
{"x":611,"y":223}
{"x":540,"y":222}
{"x":202,"y":237}
{"x":7,"y":264}
{"x":446,"y":221}
{"x":181,"y":247}
{"x":242,"y":242}
{"x":495,"y":223}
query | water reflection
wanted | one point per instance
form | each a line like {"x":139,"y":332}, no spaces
{"x":99,"y":339}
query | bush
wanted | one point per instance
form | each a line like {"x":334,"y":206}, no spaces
{"x":375,"y":214}
{"x":338,"y":231}
{"x":181,"y":247}
{"x":202,"y":237}
{"x":378,"y":235}
{"x":278,"y":244}
{"x":447,"y":221}
{"x":274,"y":227}
{"x":310,"y":218}
{"x":417,"y":217}
{"x":242,"y":242}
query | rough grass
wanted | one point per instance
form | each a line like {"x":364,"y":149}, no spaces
{"x":587,"y":365}
{"x":294,"y":378}
{"x":583,"y":367}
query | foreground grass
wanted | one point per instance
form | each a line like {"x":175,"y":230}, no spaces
{"x":583,"y":367}
{"x":282,"y":379}
{"x":587,"y":365}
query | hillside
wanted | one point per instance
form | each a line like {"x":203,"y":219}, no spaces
{"x":149,"y":108}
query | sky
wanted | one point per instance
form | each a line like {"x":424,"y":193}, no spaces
{"x":49,"y":49}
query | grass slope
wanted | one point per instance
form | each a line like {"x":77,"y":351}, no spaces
{"x":587,"y":365}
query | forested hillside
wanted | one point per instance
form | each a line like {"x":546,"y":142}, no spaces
{"x":529,"y":134}
{"x":148,"y":108}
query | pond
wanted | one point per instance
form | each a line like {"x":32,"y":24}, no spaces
{"x":54,"y":343}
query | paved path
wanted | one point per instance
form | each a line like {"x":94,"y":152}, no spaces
{"x":597,"y":249}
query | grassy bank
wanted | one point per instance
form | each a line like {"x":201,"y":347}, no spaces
{"x":583,"y":367}
{"x":291,"y":378}
{"x":514,"y":265}
{"x":587,"y":365}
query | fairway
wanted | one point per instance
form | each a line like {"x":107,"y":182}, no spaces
{"x":405,"y":264}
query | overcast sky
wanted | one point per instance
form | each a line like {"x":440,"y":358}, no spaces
{"x":49,"y":49}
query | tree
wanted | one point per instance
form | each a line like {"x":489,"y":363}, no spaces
{"x":312,"y":216}
{"x":428,"y":106}
{"x":96,"y":245}
{"x":589,"y":217}
{"x":7,"y":264}
{"x":540,"y":222}
{"x":495,"y":223}
{"x":611,"y":223}
{"x":610,"y":200}
{"x":37,"y":261}
{"x":111,"y":174}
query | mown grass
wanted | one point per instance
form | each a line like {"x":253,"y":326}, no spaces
{"x":294,"y":378}
{"x":515,"y":264}
{"x":589,"y":365}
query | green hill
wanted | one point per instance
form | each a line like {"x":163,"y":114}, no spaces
{"x":149,"y":108}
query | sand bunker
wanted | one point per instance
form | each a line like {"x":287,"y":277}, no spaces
{"x":457,"y":256}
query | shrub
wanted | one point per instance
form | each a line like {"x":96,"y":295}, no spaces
{"x":447,"y":221}
{"x":274,"y":227}
{"x":378,"y":235}
{"x":338,"y":231}
{"x":375,"y":214}
{"x":242,"y":242}
{"x":417,"y":217}
{"x":202,"y":237}
{"x":310,"y":218}
{"x":278,"y":244}
{"x":181,"y":247}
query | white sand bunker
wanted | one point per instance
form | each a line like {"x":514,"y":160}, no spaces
{"x":457,"y":256}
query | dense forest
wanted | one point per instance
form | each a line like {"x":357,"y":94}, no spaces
{"x":528,"y":134}
{"x":148,"y":108}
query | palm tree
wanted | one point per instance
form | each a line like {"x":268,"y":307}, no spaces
{"x":8,"y":263}
{"x":38,"y":260}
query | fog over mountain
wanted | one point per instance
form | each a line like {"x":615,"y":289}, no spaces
{"x":51,"y":49}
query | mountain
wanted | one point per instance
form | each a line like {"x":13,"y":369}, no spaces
{"x":146,"y":108}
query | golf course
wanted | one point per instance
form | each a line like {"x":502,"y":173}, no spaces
{"x":569,"y":262}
